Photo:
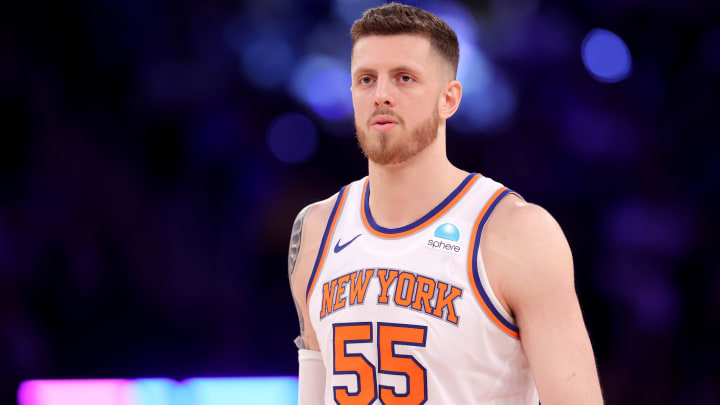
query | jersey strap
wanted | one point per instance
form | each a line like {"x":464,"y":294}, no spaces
{"x":326,"y":239}
{"x":473,"y":271}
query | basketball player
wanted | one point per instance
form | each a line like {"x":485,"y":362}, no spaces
{"x":423,"y":283}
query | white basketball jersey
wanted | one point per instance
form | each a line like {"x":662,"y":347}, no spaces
{"x":406,"y":315}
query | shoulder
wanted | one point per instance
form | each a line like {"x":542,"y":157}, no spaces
{"x":315,"y":217}
{"x":516,"y":220}
{"x":525,"y":250}
{"x":307,"y":232}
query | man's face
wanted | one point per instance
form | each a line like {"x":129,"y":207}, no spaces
{"x":395,"y":88}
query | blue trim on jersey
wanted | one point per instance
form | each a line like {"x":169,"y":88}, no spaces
{"x":420,"y":221}
{"x":476,"y":275}
{"x":324,"y":240}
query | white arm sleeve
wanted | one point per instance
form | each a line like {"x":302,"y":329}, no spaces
{"x":311,"y":378}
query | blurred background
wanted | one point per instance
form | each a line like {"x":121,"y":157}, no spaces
{"x":154,"y":155}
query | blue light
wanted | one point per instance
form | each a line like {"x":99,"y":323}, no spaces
{"x":487,"y":108}
{"x":457,"y":16}
{"x":606,"y":57}
{"x":474,"y":70}
{"x":327,"y":93}
{"x":351,"y":10}
{"x":246,"y":391}
{"x":488,"y":98}
{"x":267,"y":60}
{"x":152,"y":391}
{"x":292,"y":138}
{"x":323,"y":83}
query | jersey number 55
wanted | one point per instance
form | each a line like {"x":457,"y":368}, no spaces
{"x":389,"y":335}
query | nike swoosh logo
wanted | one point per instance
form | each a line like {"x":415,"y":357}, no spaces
{"x":339,"y":247}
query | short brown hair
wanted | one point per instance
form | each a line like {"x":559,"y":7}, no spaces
{"x":395,"y":18}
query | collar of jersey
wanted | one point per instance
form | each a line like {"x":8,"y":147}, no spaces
{"x":421,"y":223}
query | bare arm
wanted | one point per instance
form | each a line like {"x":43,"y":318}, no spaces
{"x":305,"y":240}
{"x":532,"y":268}
{"x":293,"y":252}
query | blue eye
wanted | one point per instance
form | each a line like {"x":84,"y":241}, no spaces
{"x":364,"y":81}
{"x":403,"y":77}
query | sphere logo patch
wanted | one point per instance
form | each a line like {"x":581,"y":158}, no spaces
{"x":447,"y":231}
{"x":443,"y":237}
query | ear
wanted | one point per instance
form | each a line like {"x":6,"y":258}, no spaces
{"x":450,"y":99}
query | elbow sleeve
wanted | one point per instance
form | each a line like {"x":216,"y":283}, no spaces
{"x":311,"y":378}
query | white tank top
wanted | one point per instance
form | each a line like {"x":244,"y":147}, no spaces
{"x":407,"y":315}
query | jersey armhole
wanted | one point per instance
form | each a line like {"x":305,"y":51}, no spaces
{"x":327,"y":237}
{"x":476,"y":270}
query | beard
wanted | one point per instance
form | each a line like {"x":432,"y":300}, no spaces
{"x":386,"y":150}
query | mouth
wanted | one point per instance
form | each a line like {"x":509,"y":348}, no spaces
{"x":384,"y":123}
{"x":384,"y":127}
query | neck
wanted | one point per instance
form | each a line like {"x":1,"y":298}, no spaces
{"x":402,"y":193}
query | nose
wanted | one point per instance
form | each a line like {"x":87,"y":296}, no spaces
{"x":382,"y":93}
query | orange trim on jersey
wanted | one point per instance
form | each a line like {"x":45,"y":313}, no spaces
{"x":327,"y":238}
{"x":472,"y":255}
{"x":420,"y":224}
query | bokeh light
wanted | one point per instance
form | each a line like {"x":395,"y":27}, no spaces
{"x":350,"y":10}
{"x":328,"y":93}
{"x":292,"y":138}
{"x":457,"y":16}
{"x":323,"y":83}
{"x":488,"y":99}
{"x":606,"y":56}
{"x":267,"y":60}
{"x":485,"y":108}
{"x":475,"y":71}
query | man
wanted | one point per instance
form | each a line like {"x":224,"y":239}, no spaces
{"x":400,"y":299}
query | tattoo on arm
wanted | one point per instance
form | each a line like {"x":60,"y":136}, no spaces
{"x":295,"y":239}
{"x":293,"y":251}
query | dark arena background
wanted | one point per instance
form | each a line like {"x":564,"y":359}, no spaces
{"x":153,"y":156}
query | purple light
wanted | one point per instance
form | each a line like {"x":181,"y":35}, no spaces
{"x":593,"y":134}
{"x":647,"y":226}
{"x":75,"y":392}
{"x":161,"y":391}
{"x":292,"y":138}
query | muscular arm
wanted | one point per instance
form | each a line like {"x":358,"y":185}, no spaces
{"x":305,"y":241}
{"x":293,"y":252}
{"x":530,"y":264}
